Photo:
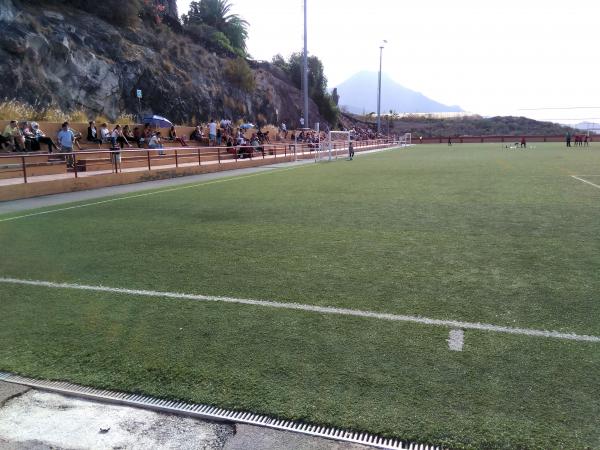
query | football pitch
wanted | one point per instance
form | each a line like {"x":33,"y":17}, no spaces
{"x":438,"y":295}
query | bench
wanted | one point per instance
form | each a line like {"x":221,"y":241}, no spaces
{"x":12,"y":170}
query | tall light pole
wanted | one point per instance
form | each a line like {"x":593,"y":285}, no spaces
{"x":305,"y":71}
{"x":379,"y":88}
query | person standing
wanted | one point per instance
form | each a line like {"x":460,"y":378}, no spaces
{"x":351,"y":151}
{"x":212,"y":132}
{"x":65,"y":141}
{"x":568,"y":138}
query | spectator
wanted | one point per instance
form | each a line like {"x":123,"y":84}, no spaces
{"x":76,"y":136}
{"x":147,"y":133}
{"x":104,"y":133}
{"x":196,"y":134}
{"x":127,"y":134}
{"x":92,"y":133}
{"x":12,"y":137}
{"x":229,"y":144}
{"x":117,"y":137}
{"x":31,"y":143}
{"x":155,"y":143}
{"x":212,"y":132}
{"x":137,"y":137}
{"x":219,"y":137}
{"x":173,"y":136}
{"x":283,"y":130}
{"x":42,"y":138}
{"x":66,"y":138}
{"x":255,"y":143}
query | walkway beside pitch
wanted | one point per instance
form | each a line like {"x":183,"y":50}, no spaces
{"x":36,"y":420}
{"x":70,"y":197}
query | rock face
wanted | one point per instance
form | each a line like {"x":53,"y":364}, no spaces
{"x":56,"y":56}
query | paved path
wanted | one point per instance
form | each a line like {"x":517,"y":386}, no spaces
{"x":58,"y":199}
{"x":37,"y":420}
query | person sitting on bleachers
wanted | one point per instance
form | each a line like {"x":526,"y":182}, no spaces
{"x":240,"y":138}
{"x":127,"y":134}
{"x":104,"y":133}
{"x":138,"y":137}
{"x":31,"y":143}
{"x":229,"y":143}
{"x":92,"y":133}
{"x":11,"y":137}
{"x":266,"y":139}
{"x":173,"y":136}
{"x":155,"y":143}
{"x":42,"y":138}
{"x":196,"y":134}
{"x":255,"y":143}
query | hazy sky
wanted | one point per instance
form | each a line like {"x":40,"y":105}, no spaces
{"x":489,"y":57}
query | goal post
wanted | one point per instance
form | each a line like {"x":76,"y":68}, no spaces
{"x":405,"y":140}
{"x":335,"y":145}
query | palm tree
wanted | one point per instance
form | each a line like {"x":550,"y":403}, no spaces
{"x":217,"y":14}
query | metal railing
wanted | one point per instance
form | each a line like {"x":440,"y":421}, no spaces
{"x":88,"y":160}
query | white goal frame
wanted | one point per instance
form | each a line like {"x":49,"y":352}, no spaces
{"x":405,"y":140}
{"x":337,"y":143}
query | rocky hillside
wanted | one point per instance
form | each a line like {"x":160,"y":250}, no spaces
{"x":54,"y":55}
{"x":463,"y":126}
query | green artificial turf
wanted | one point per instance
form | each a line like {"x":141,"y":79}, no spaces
{"x":473,"y":233}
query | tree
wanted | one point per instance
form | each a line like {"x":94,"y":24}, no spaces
{"x":205,"y":18}
{"x":317,"y":83}
{"x":335,"y":97}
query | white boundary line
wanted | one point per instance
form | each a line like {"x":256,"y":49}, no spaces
{"x":586,"y":181}
{"x":313,"y":308}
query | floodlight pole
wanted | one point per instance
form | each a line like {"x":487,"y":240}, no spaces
{"x":305,"y":71}
{"x":379,"y":91}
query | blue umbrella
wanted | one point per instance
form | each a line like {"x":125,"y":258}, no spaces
{"x":157,"y":121}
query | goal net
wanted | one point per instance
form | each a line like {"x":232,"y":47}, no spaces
{"x":405,"y":140}
{"x":334,"y":146}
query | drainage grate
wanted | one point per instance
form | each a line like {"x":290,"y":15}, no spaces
{"x":213,"y":413}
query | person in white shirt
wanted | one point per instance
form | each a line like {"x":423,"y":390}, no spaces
{"x":212,"y":132}
{"x":104,"y":133}
{"x":156,"y":143}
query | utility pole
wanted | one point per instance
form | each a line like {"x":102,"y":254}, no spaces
{"x":305,"y":71}
{"x":379,"y":89}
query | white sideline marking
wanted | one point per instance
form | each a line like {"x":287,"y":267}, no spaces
{"x":586,"y":181}
{"x":456,"y":340}
{"x":313,"y":308}
{"x":190,"y":186}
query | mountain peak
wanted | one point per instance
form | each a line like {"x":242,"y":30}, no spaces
{"x":358,"y":94}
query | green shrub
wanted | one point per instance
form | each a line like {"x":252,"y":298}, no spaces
{"x":238,"y":72}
